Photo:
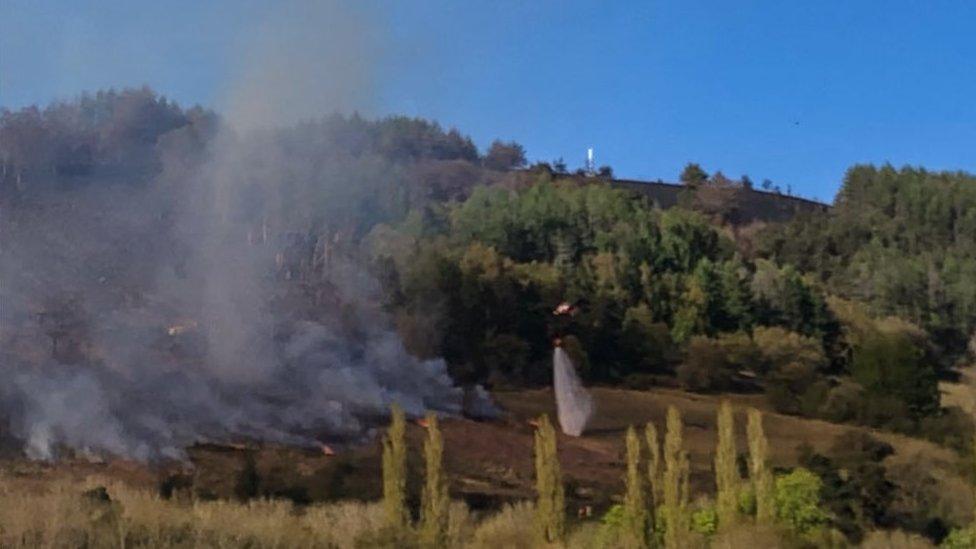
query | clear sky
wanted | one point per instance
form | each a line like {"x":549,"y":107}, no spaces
{"x":794,"y":91}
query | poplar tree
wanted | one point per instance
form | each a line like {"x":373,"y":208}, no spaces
{"x":726,"y":470}
{"x":395,"y":471}
{"x":759,"y":473}
{"x":676,"y":472}
{"x":635,"y":508}
{"x":435,"y":500}
{"x":655,"y":474}
{"x":550,"y":513}
{"x":655,"y":477}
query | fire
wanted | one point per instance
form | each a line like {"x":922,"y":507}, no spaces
{"x":327,"y":450}
{"x":565,"y":308}
{"x":423,"y":422}
{"x":533,"y":422}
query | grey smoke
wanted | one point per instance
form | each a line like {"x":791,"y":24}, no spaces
{"x":190,"y":332}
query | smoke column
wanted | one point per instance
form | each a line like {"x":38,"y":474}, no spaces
{"x":176,"y":290}
{"x":574,"y":406}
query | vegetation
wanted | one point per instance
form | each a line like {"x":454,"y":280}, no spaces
{"x":635,"y":507}
{"x":550,"y":512}
{"x":675,"y":510}
{"x":395,"y":472}
{"x":435,"y":505}
{"x":759,"y":473}
{"x":851,"y":314}
{"x":726,"y":469}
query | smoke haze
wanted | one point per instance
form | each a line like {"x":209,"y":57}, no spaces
{"x":211,"y":302}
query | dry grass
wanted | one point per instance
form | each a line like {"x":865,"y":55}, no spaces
{"x":59,"y":514}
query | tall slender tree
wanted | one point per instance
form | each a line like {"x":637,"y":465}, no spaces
{"x":550,"y":503}
{"x":655,"y":475}
{"x":435,"y":500}
{"x":759,"y":473}
{"x":635,"y":506}
{"x":676,"y":472}
{"x":395,"y":471}
{"x":726,"y":470}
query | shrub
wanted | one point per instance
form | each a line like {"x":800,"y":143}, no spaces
{"x":797,"y":498}
{"x":705,"y":521}
{"x":705,"y":367}
{"x":962,"y":538}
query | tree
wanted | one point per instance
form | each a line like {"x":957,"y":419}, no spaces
{"x":890,"y":365}
{"x":395,"y":472}
{"x":605,"y":171}
{"x":693,"y":175}
{"x":550,"y":503}
{"x":655,"y":474}
{"x":635,"y":507}
{"x":435,"y":501}
{"x":797,"y":499}
{"x":726,"y":469}
{"x":675,"y":483}
{"x":759,"y":472}
{"x":504,"y":156}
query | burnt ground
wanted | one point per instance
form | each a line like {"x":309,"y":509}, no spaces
{"x":489,"y":463}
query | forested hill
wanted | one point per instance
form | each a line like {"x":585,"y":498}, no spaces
{"x":850,"y":313}
{"x":128,"y":135}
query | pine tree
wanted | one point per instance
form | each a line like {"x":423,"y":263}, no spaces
{"x":726,"y":470}
{"x":676,"y":473}
{"x":654,"y":473}
{"x":550,"y":505}
{"x":395,"y":471}
{"x":759,"y":473}
{"x":435,"y":500}
{"x":635,"y":508}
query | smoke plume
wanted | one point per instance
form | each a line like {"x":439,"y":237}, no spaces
{"x":210,"y":303}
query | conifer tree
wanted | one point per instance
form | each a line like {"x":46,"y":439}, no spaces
{"x":550,"y":506}
{"x":395,"y":471}
{"x":676,"y":470}
{"x":759,"y":473}
{"x":635,"y":508}
{"x":435,"y":500}
{"x":726,"y":470}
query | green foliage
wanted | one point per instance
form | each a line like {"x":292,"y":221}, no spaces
{"x":856,"y":489}
{"x":797,"y":497}
{"x":550,"y":503}
{"x":890,"y":365}
{"x":693,"y":174}
{"x":903,"y":240}
{"x":705,"y":521}
{"x":961,"y":538}
{"x":435,"y":502}
{"x":395,"y":472}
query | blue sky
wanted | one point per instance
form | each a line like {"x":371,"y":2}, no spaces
{"x":787,"y":90}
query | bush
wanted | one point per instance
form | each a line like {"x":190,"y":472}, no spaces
{"x":704,"y":521}
{"x":705,"y":367}
{"x":962,"y":538}
{"x":797,"y":499}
